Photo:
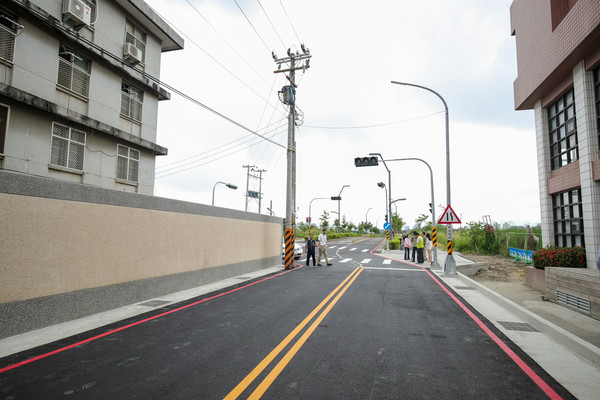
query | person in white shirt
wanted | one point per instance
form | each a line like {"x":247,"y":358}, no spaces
{"x":323,"y":247}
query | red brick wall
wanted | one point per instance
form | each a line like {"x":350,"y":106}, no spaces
{"x":546,"y":57}
{"x":596,"y":169}
{"x":564,"y":178}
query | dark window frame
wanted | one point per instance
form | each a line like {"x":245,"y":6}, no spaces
{"x":562,"y":127}
{"x":567,"y":217}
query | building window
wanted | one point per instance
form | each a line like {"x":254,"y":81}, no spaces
{"x":568,"y":219}
{"x":8,"y":33}
{"x":128,"y":160}
{"x":68,"y":147}
{"x":563,"y":131}
{"x":597,"y":97}
{"x":136,"y":37}
{"x":131,"y":102}
{"x":73,"y":72}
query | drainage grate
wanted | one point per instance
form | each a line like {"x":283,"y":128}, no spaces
{"x":570,"y":300}
{"x":464,"y":288}
{"x":517,"y":326}
{"x":154,"y":303}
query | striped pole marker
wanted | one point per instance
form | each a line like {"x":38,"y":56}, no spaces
{"x":434,"y":236}
{"x":289,"y":248}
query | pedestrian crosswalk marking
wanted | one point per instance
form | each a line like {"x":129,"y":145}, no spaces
{"x":387,"y":262}
{"x":365,"y":250}
{"x":352,"y":249}
{"x":345,"y":260}
{"x":366,"y":261}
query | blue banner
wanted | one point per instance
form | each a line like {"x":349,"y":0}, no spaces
{"x":520,"y":254}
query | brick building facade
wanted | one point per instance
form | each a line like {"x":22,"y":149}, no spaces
{"x":558,"y":65}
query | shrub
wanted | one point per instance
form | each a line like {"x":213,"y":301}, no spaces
{"x":395,"y":244}
{"x":563,"y":257}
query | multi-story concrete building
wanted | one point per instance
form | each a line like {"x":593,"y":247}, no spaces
{"x":558,"y":62}
{"x":79,"y":90}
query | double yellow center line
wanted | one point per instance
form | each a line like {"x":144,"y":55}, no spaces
{"x":270,"y":378}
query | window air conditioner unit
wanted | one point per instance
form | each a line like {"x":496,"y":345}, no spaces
{"x":77,"y":11}
{"x":132,"y":54}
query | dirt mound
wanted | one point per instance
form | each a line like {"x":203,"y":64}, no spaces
{"x":502,"y":269}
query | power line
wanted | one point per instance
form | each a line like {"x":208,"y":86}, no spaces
{"x":373,"y":126}
{"x":216,"y":148}
{"x":258,"y":34}
{"x":218,"y":62}
{"x":290,"y":21}
{"x":226,"y":41}
{"x":209,"y":161}
{"x":269,"y":19}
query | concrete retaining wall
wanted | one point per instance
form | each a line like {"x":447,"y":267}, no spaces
{"x":579,"y":282}
{"x":68,"y":250}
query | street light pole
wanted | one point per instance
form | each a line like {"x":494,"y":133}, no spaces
{"x":229,"y":185}
{"x":340,"y":215}
{"x":450,"y":267}
{"x":382,"y":185}
{"x":367,"y":216}
{"x":389,"y":205}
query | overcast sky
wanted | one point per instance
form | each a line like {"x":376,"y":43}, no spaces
{"x":462,"y":49}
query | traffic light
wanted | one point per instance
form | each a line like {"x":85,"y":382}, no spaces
{"x":308,"y":219}
{"x":366,"y":161}
{"x":430,"y":208}
{"x":336,"y":198}
{"x":386,"y":218}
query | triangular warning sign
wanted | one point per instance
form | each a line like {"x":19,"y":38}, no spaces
{"x":449,"y":217}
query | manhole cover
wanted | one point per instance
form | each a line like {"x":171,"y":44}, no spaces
{"x":155,"y":303}
{"x":518,"y":326}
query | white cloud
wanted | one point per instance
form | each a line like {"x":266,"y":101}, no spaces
{"x":461,"y":49}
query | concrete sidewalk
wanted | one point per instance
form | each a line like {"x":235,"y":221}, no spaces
{"x":564,"y":342}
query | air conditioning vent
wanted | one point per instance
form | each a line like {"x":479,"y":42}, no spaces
{"x":77,"y":11}
{"x":132,"y":54}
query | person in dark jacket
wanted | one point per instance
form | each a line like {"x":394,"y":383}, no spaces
{"x":309,"y":249}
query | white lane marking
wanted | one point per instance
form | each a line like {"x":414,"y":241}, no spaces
{"x":398,"y":269}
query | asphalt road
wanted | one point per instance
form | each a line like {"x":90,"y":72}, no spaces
{"x":364,"y":328}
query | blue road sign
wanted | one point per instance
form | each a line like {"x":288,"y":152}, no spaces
{"x":387,"y":226}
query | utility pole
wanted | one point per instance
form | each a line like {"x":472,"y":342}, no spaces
{"x":260,"y":171}
{"x":288,"y":97}
{"x":247,"y":181}
{"x":253,"y":194}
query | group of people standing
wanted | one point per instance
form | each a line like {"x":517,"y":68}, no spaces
{"x":311,"y":244}
{"x":421,"y":246}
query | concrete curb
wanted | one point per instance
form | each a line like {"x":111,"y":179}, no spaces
{"x":582,"y":348}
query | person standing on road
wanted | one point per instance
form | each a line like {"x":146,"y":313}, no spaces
{"x":407,"y":246}
{"x":429,"y":248}
{"x":425,"y":241}
{"x":419,"y":248}
{"x":323,"y":247}
{"x":309,"y":249}
{"x":413,"y":245}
